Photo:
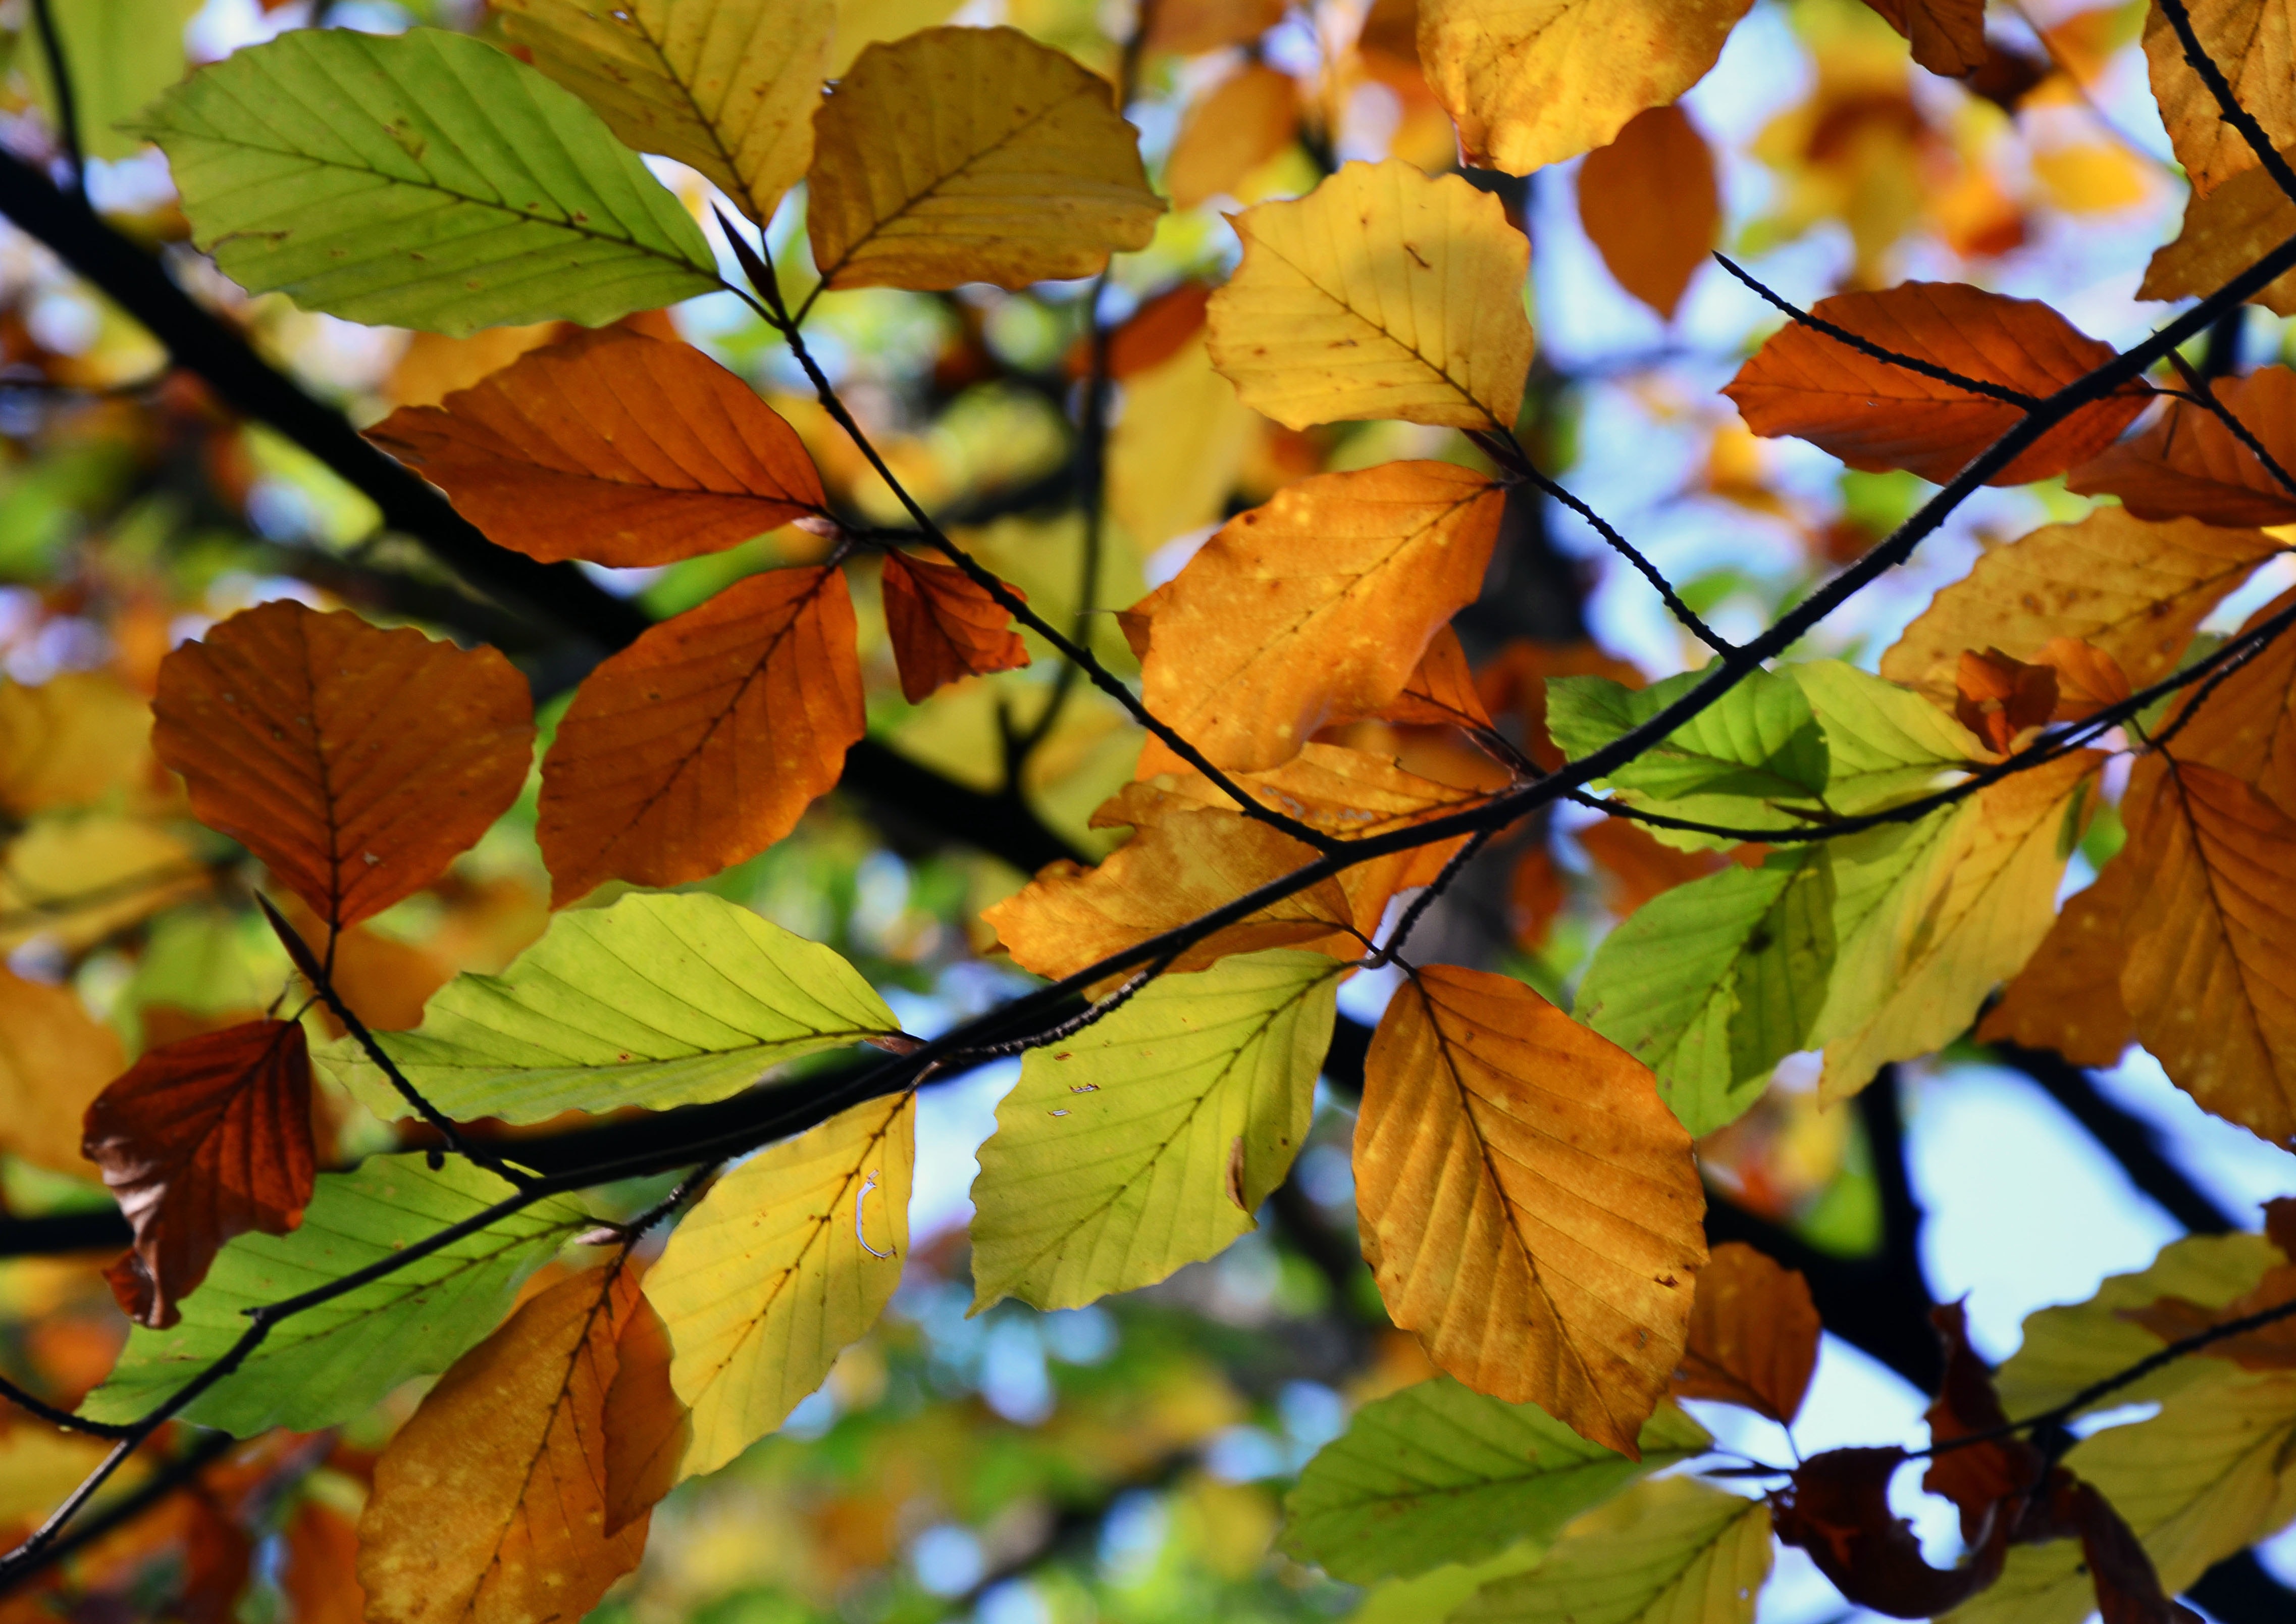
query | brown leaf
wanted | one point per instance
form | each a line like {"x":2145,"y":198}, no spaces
{"x":1652,"y":206}
{"x":1535,"y":896}
{"x":1947,"y":35}
{"x":2088,"y":678}
{"x":356,"y":762}
{"x":1837,"y":1508}
{"x":2224,"y":232}
{"x":1637,"y":866}
{"x":1987,"y":1479}
{"x":2186,"y":463}
{"x":1513,"y":681}
{"x":703,"y":742}
{"x":2248,"y":727}
{"x":612,"y":446}
{"x":1247,"y":120}
{"x":945,"y":627}
{"x":647,"y":1426}
{"x":318,"y":1567}
{"x":1531,"y":1209}
{"x":54,"y":1058}
{"x":489,"y":1504}
{"x":2251,"y":42}
{"x":1874,"y":414}
{"x":2068,"y":996}
{"x":2271,"y":1347}
{"x":1997,"y":697}
{"x":1753,"y":1334}
{"x":2128,"y":1586}
{"x":2211,"y":975}
{"x":1192,"y":27}
{"x":201,"y":1141}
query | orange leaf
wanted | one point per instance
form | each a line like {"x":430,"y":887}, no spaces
{"x":1535,"y":896}
{"x":612,"y":446}
{"x":356,"y":762}
{"x":1874,"y":414}
{"x":1999,"y":698}
{"x":1154,"y":333}
{"x":1515,"y":680}
{"x":2248,"y":727}
{"x":1652,"y":207}
{"x":54,"y":1058}
{"x":318,"y":1569}
{"x":1753,"y":1334}
{"x":2088,"y":678}
{"x":1637,"y":866}
{"x":2068,"y":996}
{"x":2211,"y":975}
{"x":1947,"y":35}
{"x":489,"y":1504}
{"x":1246,"y":119}
{"x":703,"y":742}
{"x":945,"y":627}
{"x":1189,"y":27}
{"x":1529,"y":1206}
{"x":647,"y":1426}
{"x":1441,"y":692}
{"x":201,"y":1141}
{"x":2188,"y":465}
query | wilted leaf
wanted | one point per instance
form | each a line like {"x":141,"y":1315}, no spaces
{"x":611,"y":447}
{"x":1753,"y":1334}
{"x":75,"y":740}
{"x":775,"y":1271}
{"x":1532,"y":84}
{"x":1150,"y":1139}
{"x":1652,"y":206}
{"x":54,"y":1058}
{"x":202,"y":1140}
{"x":2248,"y":727}
{"x":356,"y":762}
{"x":724,"y":87}
{"x":489,"y":1504}
{"x":2068,"y":996}
{"x":2253,"y":46}
{"x":1874,"y":414}
{"x":656,"y":1001}
{"x":1247,"y":119}
{"x":1531,"y":1208}
{"x":1316,"y":607}
{"x":420,"y":212}
{"x":944,"y":626}
{"x":1837,"y":1509}
{"x":703,"y":742}
{"x":1998,"y":698}
{"x":1440,"y":1473}
{"x":1947,"y":35}
{"x":2188,"y":464}
{"x":1384,"y":292}
{"x":1672,"y":1552}
{"x":1026,"y":171}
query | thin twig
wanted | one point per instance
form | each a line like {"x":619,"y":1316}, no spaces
{"x":2228,"y":105}
{"x":2202,"y":393}
{"x":1627,"y":550}
{"x":51,"y":49}
{"x":1090,"y":1015}
{"x":1392,"y":953}
{"x":36,"y":1406}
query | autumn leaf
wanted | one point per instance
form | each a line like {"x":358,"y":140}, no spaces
{"x":202,"y":1140}
{"x":489,"y":1504}
{"x":1753,"y":1336}
{"x":2210,"y":938}
{"x":1383,"y":292}
{"x":2271,"y":1347}
{"x":647,"y":1427}
{"x":1315,"y":607}
{"x":1531,"y":1208}
{"x":55,"y":1058}
{"x":944,"y":626}
{"x":75,"y":879}
{"x":1947,"y":35}
{"x":1671,"y":1552}
{"x":1652,"y":206}
{"x":2224,"y":232}
{"x":1635,"y":868}
{"x":1192,"y":27}
{"x":1837,"y":1508}
{"x":611,"y":447}
{"x":2253,"y":44}
{"x":318,"y":1566}
{"x":356,"y":762}
{"x":2188,"y":464}
{"x":1874,"y":414}
{"x":1441,"y":691}
{"x":703,"y":742}
{"x":1025,"y":172}
{"x":2088,"y":679}
{"x":1998,"y":698}
{"x":1532,"y":84}
{"x":2068,"y":996}
{"x":2248,"y":727}
{"x":1246,"y":119}
{"x":1513,"y":682}
{"x":1182,"y":443}
{"x":73,"y":741}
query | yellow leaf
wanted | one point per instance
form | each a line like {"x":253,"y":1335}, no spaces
{"x":1025,"y":170}
{"x":73,"y":741}
{"x":2224,"y":232}
{"x":77,"y":878}
{"x":1529,"y":1207}
{"x":1533,"y":82}
{"x":54,"y":1058}
{"x":1179,"y":449}
{"x":726,"y":87}
{"x":1384,"y":292}
{"x":1652,"y":206}
{"x":789,"y":1257}
{"x":1316,"y":607}
{"x":1247,"y":120}
{"x":2253,"y":42}
{"x":863,"y":23}
{"x":2093,"y":177}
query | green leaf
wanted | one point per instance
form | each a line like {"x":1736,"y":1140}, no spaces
{"x":1440,"y":1474}
{"x":1752,"y":751}
{"x":1671,"y":1552}
{"x":658,"y":1000}
{"x":121,"y":52}
{"x":1714,"y":982}
{"x":1147,"y":1140}
{"x":332,"y":1362}
{"x":424,"y":180}
{"x":1886,"y":743}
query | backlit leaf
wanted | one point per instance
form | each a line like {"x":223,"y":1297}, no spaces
{"x":2068,"y":996}
{"x":1753,"y":1334}
{"x":356,"y":762}
{"x":328,"y":1362}
{"x":1246,"y":119}
{"x":1026,"y":171}
{"x":2253,"y":44}
{"x":1947,"y":35}
{"x":121,"y":54}
{"x":469,"y":191}
{"x":1316,"y":607}
{"x":1531,"y":1208}
{"x":55,"y":1058}
{"x":648,"y":1429}
{"x":1533,"y":82}
{"x":76,"y":879}
{"x":489,"y":1505}
{"x":2248,"y":727}
{"x":1652,"y":206}
{"x":703,"y":742}
{"x":1885,"y":743}
{"x":2186,"y":463}
{"x":202,"y":1140}
{"x":789,"y":1257}
{"x":656,"y":1001}
{"x":1150,"y":1139}
{"x":1999,"y":698}
{"x":73,"y":741}
{"x":1440,"y":1474}
{"x":1874,"y":414}
{"x":944,"y":626}
{"x":1671,"y":1552}
{"x":2224,"y":232}
{"x":1384,"y":292}
{"x":726,"y":87}
{"x":611,"y":447}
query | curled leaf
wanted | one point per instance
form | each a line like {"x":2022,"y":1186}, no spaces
{"x":944,"y":626}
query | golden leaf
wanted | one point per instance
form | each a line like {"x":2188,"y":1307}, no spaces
{"x":2253,"y":43}
{"x":1652,"y":206}
{"x":2224,"y":232}
{"x":2248,"y":727}
{"x":1246,"y":119}
{"x":2068,"y":996}
{"x":55,"y":1059}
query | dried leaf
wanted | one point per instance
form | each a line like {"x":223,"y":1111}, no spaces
{"x":1987,"y":1479}
{"x":1652,"y":206}
{"x":2253,"y":44}
{"x":945,"y":627}
{"x":1837,"y":1508}
{"x":2248,"y":727}
{"x":703,"y":742}
{"x":1996,"y":698}
{"x":356,"y":762}
{"x":1248,"y":118}
{"x":611,"y":447}
{"x":1753,"y":1334}
{"x":1874,"y":414}
{"x":1531,"y":1209}
{"x":2186,"y":463}
{"x":2128,"y":1590}
{"x":202,"y":1140}
{"x":1026,"y":170}
{"x":55,"y":1058}
{"x":1947,"y":35}
{"x":2068,"y":996}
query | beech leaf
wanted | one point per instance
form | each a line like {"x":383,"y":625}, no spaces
{"x":2224,"y":232}
{"x":2188,"y":465}
{"x":1837,"y":1509}
{"x":2253,"y":44}
{"x":1242,"y":122}
{"x":1753,"y":1336}
{"x":1652,"y":206}
{"x":647,"y":1427}
{"x":1947,"y":35}
{"x":2068,"y":996}
{"x":1669,"y":1552}
{"x":2248,"y":727}
{"x":945,"y":626}
{"x":55,"y":1059}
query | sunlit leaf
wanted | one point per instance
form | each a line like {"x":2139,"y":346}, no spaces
{"x":2253,"y":44}
{"x":2186,"y":463}
{"x":75,"y":879}
{"x":647,"y":1427}
{"x":1885,"y":743}
{"x":55,"y":1058}
{"x":1652,"y":206}
{"x":73,"y":741}
{"x":1245,"y":120}
{"x":1671,"y":1552}
{"x":944,"y":626}
{"x":121,"y":54}
{"x":2248,"y":727}
{"x":2068,"y":996}
{"x":1753,"y":1334}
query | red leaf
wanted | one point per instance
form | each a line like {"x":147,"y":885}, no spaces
{"x":202,"y":1140}
{"x":944,"y":626}
{"x":1837,"y":1508}
{"x":1997,"y":697}
{"x":2128,"y":1587}
{"x":1978,"y":1477}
